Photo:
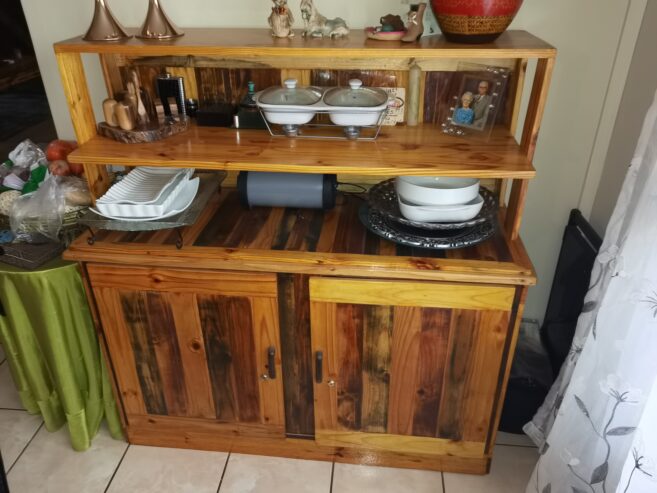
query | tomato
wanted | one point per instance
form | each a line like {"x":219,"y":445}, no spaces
{"x":76,"y":169}
{"x":60,"y":149}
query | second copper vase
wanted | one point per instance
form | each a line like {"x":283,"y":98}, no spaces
{"x":157,"y":25}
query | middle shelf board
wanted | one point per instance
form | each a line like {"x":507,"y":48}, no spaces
{"x":401,"y":150}
{"x":230,"y":237}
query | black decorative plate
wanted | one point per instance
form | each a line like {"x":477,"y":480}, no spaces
{"x":451,"y":239}
{"x":383,"y":198}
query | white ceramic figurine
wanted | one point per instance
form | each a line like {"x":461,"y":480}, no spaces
{"x":318,"y":26}
{"x":281,"y":20}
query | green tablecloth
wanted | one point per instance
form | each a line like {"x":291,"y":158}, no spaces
{"x":53,"y":353}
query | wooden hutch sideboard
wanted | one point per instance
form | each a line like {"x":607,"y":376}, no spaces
{"x":297,"y":332}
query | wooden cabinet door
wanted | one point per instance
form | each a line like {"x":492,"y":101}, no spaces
{"x":408,"y":367}
{"x":193,"y":344}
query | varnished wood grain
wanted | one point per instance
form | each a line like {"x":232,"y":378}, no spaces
{"x":264,"y":312}
{"x":404,"y":370}
{"x":76,"y":91}
{"x":348,"y":332}
{"x":200,"y":402}
{"x":185,"y":281}
{"x":323,"y":319}
{"x":401,"y":443}
{"x":297,"y":364}
{"x":431,"y":363}
{"x":249,"y":43}
{"x":164,"y":342}
{"x":215,"y":327}
{"x":135,"y":311}
{"x":209,"y":435}
{"x":120,"y":349}
{"x":400,"y":150}
{"x":377,"y":351}
{"x":399,"y":293}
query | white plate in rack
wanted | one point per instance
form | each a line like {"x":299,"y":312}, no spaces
{"x":180,"y":204}
{"x":143,"y":186}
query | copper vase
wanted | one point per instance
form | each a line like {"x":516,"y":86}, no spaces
{"x":157,"y":25}
{"x":104,"y":27}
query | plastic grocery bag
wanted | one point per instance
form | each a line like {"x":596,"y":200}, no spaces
{"x":40,"y":213}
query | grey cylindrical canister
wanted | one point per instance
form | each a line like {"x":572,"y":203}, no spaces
{"x":298,"y":190}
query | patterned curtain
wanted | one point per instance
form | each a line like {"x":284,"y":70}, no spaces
{"x":597,"y":430}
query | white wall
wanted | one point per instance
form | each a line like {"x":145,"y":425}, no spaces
{"x":586,"y":32}
{"x":638,"y":94}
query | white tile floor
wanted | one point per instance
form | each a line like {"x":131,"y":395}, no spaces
{"x":37,"y":460}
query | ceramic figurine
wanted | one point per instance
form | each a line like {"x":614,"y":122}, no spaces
{"x":391,"y":23}
{"x":415,"y":27}
{"x":317,"y":26}
{"x":281,"y":20}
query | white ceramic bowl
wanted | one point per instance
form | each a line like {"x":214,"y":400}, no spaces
{"x":289,"y":117}
{"x":356,"y":118}
{"x":441,"y":213}
{"x":436,"y":190}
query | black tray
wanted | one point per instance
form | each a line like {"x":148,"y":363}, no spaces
{"x":450,"y":239}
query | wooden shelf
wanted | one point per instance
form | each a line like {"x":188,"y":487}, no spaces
{"x":229,"y":237}
{"x":250,"y":43}
{"x":422,"y":150}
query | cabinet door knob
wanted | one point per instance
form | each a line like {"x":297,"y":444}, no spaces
{"x":331,"y":383}
{"x":319,"y":367}
{"x":271,"y":362}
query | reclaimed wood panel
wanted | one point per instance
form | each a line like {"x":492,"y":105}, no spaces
{"x":297,"y":364}
{"x":264,"y":312}
{"x":432,"y":361}
{"x":377,"y":351}
{"x":230,"y":85}
{"x":120,"y":349}
{"x":349,"y":321}
{"x":163,"y":340}
{"x":200,"y":401}
{"x":325,"y":341}
{"x":135,"y":310}
{"x":404,"y":369}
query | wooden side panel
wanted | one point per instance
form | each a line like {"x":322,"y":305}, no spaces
{"x":294,"y":313}
{"x":135,"y":310}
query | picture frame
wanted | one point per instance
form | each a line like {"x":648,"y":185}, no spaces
{"x":477,"y":97}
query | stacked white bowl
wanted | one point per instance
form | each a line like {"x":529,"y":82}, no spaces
{"x":436,"y":199}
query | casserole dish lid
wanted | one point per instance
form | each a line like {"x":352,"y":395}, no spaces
{"x":290,"y":95}
{"x":355,"y":96}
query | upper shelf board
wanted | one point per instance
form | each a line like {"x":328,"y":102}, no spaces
{"x":421,"y":150}
{"x":254,"y":43}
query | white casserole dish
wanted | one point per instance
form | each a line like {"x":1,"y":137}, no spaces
{"x":436,"y":190}
{"x":356,"y":106}
{"x":441,"y":213}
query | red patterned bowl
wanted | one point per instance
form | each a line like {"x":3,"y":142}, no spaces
{"x":474,"y":21}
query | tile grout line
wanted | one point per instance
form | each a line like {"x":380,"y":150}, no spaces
{"x":332,"y":474}
{"x":116,"y":469}
{"x":442,"y":479}
{"x":15,"y":409}
{"x":223,"y":474}
{"x":25,"y":448}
